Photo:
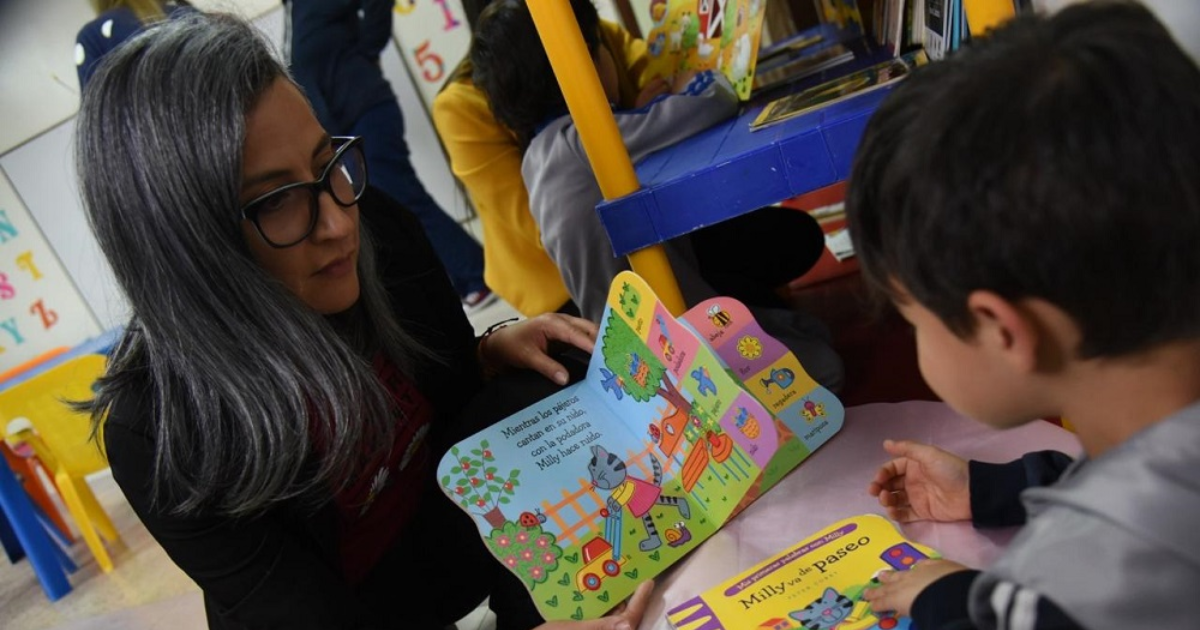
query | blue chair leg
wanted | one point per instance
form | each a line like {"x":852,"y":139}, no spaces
{"x":8,"y":540}
{"x":57,"y":537}
{"x":44,"y":555}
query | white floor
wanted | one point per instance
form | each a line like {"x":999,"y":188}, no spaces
{"x":145,"y":591}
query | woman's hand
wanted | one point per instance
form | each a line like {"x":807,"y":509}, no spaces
{"x":527,"y":344}
{"x":627,"y":616}
{"x":923,"y":482}
{"x":898,"y":590}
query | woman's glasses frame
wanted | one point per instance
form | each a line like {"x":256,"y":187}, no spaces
{"x":344,"y":144}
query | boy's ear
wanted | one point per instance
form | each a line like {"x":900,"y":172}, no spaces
{"x":1006,"y":329}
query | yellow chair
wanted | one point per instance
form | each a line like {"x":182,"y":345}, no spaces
{"x":59,"y":436}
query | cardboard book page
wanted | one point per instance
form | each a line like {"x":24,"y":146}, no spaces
{"x":816,"y":583}
{"x":588,"y":492}
{"x":691,"y":36}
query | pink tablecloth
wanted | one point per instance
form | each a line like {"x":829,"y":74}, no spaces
{"x":831,"y":485}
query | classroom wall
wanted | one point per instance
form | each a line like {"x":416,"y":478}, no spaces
{"x":55,"y":287}
{"x":1182,"y":17}
{"x":40,"y":210}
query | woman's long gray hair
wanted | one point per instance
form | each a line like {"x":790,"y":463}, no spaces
{"x":256,"y":398}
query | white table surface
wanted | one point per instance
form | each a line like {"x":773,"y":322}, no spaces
{"x":832,"y":485}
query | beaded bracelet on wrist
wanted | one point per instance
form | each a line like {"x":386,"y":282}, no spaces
{"x":488,"y":370}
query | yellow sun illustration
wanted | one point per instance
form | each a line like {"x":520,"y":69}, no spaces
{"x":749,"y":347}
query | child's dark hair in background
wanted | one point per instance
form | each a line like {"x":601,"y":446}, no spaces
{"x":1055,"y":159}
{"x":511,"y":66}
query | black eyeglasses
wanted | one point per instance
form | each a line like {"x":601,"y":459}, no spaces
{"x":287,"y":215}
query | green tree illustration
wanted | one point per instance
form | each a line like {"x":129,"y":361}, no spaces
{"x":621,"y":346}
{"x":477,"y":487}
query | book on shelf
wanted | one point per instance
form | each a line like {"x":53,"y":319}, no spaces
{"x":815,"y":584}
{"x":936,"y":37}
{"x":982,"y":15}
{"x":806,"y":53}
{"x":690,"y":36}
{"x":844,"y":13}
{"x":679,"y":424}
{"x":950,"y":23}
{"x":889,"y":24}
{"x":837,"y":90}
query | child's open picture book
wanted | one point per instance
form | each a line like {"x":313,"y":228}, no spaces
{"x":691,"y":36}
{"x":814,"y":584}
{"x":679,"y":424}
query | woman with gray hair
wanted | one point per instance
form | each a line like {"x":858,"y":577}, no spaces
{"x":285,"y":386}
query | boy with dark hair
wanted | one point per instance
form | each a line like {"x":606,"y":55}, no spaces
{"x":511,"y":67}
{"x":1032,"y":206}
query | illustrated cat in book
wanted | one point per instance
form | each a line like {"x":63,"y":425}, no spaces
{"x":608,"y":472}
{"x":830,"y":609}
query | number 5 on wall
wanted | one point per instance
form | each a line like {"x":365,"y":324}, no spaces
{"x":431,"y":64}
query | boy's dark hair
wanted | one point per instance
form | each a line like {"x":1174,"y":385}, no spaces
{"x":511,"y":66}
{"x":1057,"y":158}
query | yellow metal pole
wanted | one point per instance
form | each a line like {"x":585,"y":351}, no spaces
{"x":572,"y":63}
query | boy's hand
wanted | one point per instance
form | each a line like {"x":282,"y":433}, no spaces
{"x":657,"y":87}
{"x":898,"y":590}
{"x":923,"y":482}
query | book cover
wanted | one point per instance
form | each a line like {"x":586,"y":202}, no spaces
{"x":816,"y":584}
{"x":691,"y":36}
{"x":945,"y":27}
{"x":677,"y":426}
{"x":891,"y":25}
{"x":806,"y":53}
{"x":837,"y":90}
{"x":843,"y":13}
{"x":983,"y":15}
